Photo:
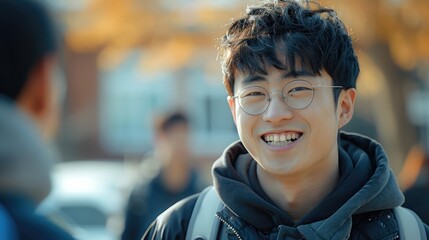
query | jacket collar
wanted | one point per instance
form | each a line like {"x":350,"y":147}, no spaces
{"x":25,"y":160}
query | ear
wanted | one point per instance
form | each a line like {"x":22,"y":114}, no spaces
{"x":231,"y":103}
{"x":345,"y":108}
{"x":34,"y":96}
{"x":37,"y":96}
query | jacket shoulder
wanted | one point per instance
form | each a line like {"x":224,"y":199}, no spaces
{"x":381,"y":224}
{"x":375,"y":225}
{"x":426,"y":230}
{"x":38,"y":227}
{"x":173,"y":222}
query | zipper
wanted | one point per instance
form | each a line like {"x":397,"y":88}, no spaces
{"x":395,"y":237}
{"x":229,"y":226}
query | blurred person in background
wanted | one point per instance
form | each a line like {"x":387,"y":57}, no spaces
{"x":414,"y":178}
{"x":175,"y":180}
{"x":29,"y":106}
{"x":290,"y":71}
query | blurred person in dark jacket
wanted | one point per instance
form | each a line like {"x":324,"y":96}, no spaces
{"x":175,"y":180}
{"x":29,"y":106}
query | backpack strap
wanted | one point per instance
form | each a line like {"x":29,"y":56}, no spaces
{"x":203,"y":223}
{"x":409,"y":224}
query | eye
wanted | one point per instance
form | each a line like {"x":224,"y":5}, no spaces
{"x":300,"y":92}
{"x":254,"y":94}
{"x":299,"y":89}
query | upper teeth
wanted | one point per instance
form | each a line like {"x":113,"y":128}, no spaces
{"x":281,"y":137}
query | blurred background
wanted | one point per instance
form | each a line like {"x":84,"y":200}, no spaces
{"x":127,"y":60}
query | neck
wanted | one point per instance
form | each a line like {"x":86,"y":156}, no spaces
{"x":299,"y":193}
{"x":176,"y":176}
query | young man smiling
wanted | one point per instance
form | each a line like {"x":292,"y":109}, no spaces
{"x":290,"y":71}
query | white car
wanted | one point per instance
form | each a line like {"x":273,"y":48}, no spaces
{"x":88,"y":198}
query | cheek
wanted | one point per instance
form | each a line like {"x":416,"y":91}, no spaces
{"x":245,"y":126}
{"x":322,"y":118}
{"x":241,"y":126}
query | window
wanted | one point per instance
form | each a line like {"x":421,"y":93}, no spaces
{"x":130,"y":98}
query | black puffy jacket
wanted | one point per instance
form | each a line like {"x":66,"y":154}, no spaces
{"x":360,"y":207}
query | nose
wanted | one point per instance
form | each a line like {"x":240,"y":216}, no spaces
{"x":277,"y":109}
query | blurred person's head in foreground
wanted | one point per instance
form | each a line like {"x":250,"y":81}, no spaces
{"x":29,"y":96}
{"x":29,"y":106}
{"x":28,"y":61}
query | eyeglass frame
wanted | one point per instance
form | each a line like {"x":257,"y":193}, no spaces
{"x":313,"y":87}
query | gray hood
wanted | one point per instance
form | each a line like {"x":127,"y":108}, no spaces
{"x":381,"y":191}
{"x":25,"y":160}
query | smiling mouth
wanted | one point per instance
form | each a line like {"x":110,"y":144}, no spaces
{"x":281,"y":139}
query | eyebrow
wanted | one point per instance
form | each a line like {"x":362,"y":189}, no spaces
{"x":253,"y":78}
{"x":294,"y":74}
{"x":301,"y":73}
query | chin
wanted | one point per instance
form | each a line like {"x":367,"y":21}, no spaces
{"x":277,"y":169}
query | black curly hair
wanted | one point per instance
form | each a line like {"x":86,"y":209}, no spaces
{"x":27,"y":35}
{"x":280,"y":33}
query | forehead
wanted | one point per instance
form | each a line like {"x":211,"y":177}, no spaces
{"x":273,"y":75}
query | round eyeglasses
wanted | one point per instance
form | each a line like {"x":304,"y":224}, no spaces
{"x":297,"y":94}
